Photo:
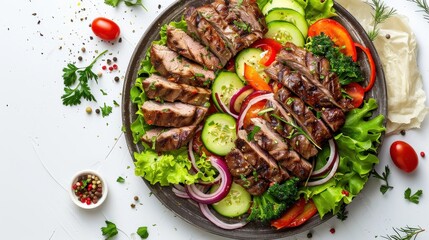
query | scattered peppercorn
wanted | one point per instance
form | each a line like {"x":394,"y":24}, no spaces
{"x":136,"y":198}
{"x":422,"y":154}
{"x":309,"y":235}
{"x":88,"y":110}
{"x":133,"y":205}
{"x":97,"y":111}
{"x":116,"y":79}
{"x":115,"y":59}
{"x":402,"y":132}
{"x":83,"y":49}
{"x":79,"y":58}
{"x":332,"y":230}
{"x":88,"y":189}
{"x":387,"y":36}
{"x":109,"y":61}
{"x":99,"y":74}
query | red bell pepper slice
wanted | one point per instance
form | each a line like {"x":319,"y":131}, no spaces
{"x":288,"y":217}
{"x":271,"y":46}
{"x":254,"y":79}
{"x":309,"y":211}
{"x":371,"y":65}
{"x":356,"y":92}
{"x":337,"y":33}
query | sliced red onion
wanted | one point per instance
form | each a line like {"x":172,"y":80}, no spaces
{"x":180,"y":192}
{"x":225,"y":184}
{"x":268,"y":97}
{"x":195,"y":166}
{"x":330,"y":162}
{"x":238,"y":98}
{"x":216,"y":221}
{"x":330,"y":175}
{"x":224,"y":108}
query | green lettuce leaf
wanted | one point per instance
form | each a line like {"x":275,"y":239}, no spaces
{"x":171,"y":168}
{"x":357,"y":144}
{"x":317,"y":9}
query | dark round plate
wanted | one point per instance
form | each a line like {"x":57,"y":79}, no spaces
{"x":188,"y":210}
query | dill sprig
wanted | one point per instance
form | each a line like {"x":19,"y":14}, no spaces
{"x":381,"y":14}
{"x":424,"y":7}
{"x":405,"y":233}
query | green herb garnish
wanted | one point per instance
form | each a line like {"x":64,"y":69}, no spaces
{"x":106,"y":110}
{"x":414,"y":198}
{"x":142,"y":232}
{"x":252,"y":133}
{"x":110,"y":230}
{"x":424,"y":7}
{"x":129,"y":3}
{"x":73,"y":74}
{"x":405,"y":233}
{"x":381,"y":14}
{"x":120,"y":179}
{"x":384,"y":187}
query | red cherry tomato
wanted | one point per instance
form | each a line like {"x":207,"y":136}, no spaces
{"x":356,"y":92}
{"x":105,"y":29}
{"x":404,"y":156}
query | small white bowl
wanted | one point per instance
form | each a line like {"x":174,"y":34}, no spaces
{"x":75,"y":198}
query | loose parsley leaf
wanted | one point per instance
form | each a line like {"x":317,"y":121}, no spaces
{"x":103,"y":92}
{"x":106,"y":110}
{"x":343,"y":213}
{"x":413,"y":198}
{"x":254,"y":131}
{"x":384,"y":187}
{"x":120,"y":179}
{"x":110,"y":230}
{"x":129,"y":3}
{"x":71,"y":75}
{"x":142,"y":232}
{"x":115,"y":103}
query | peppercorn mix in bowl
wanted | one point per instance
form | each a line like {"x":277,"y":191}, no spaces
{"x":88,"y":189}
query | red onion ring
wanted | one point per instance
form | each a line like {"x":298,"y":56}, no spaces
{"x":235,"y":97}
{"x":268,"y":97}
{"x":330,"y":175}
{"x":180,"y":193}
{"x":191,"y":157}
{"x":216,"y":221}
{"x":225,"y":184}
{"x":224,"y":108}
{"x":330,"y":162}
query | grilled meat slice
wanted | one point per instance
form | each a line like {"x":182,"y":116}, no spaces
{"x":265,"y":165}
{"x":159,"y":88}
{"x":201,"y":29}
{"x":228,"y":34}
{"x":314,"y":127}
{"x":277,"y":147}
{"x":297,"y":141}
{"x":333,"y":117}
{"x":255,"y":185}
{"x":172,"y":114}
{"x":168,"y":139}
{"x":249,"y":12}
{"x":177,"y":69}
{"x":180,"y":42}
{"x":237,"y":163}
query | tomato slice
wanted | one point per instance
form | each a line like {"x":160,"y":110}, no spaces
{"x":271,"y":46}
{"x":290,"y":215}
{"x":309,"y":211}
{"x":253,"y":113}
{"x":356,"y":92}
{"x":337,"y":32}
{"x":404,"y":156}
{"x":254,"y":79}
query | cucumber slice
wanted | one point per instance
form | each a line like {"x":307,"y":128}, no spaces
{"x":291,"y":4}
{"x":288,"y":15}
{"x":219,"y":134}
{"x":225,"y":85}
{"x":251,"y":56}
{"x":235,"y":204}
{"x":285,"y":32}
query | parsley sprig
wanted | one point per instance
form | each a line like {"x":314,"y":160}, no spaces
{"x":71,"y":75}
{"x":381,"y":14}
{"x":109,"y":230}
{"x":129,"y":3}
{"x":414,"y":198}
{"x":384,"y":187}
{"x":405,"y":233}
{"x":424,"y":7}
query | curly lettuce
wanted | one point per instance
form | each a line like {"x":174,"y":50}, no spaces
{"x":357,"y":145}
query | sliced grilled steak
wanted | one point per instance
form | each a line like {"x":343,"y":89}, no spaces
{"x":180,"y":42}
{"x":297,"y":141}
{"x":276,"y":146}
{"x":237,"y":164}
{"x":250,"y":13}
{"x":314,"y":127}
{"x":167,"y":139}
{"x":159,"y":88}
{"x":172,"y":114}
{"x":255,"y":185}
{"x":333,"y":117}
{"x":228,"y":34}
{"x":172,"y":66}
{"x":265,"y":165}
{"x":201,"y":28}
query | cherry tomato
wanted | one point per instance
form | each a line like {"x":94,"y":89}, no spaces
{"x":404,"y":156}
{"x":356,"y":92}
{"x":337,"y":32}
{"x":105,"y":29}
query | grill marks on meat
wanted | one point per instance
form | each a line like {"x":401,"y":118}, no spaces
{"x":159,"y":88}
{"x":180,"y":42}
{"x":177,"y":69}
{"x":172,"y":114}
{"x":168,"y":139}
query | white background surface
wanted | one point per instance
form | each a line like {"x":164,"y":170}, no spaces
{"x":43,"y":143}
